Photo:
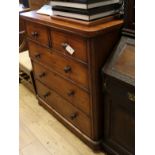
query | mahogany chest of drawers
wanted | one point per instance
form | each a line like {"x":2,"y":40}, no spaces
{"x":69,"y":85}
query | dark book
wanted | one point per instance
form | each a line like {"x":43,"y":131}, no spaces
{"x":78,"y":1}
{"x":83,"y":4}
{"x":87,"y":15}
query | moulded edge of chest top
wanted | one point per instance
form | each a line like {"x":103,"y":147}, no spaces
{"x":78,"y":29}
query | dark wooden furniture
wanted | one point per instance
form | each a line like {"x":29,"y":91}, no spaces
{"x":25,"y":3}
{"x":22,"y":43}
{"x":37,"y":4}
{"x":129,"y":17}
{"x":119,"y":91}
{"x":119,"y":100}
{"x":34,"y":4}
{"x":69,"y":86}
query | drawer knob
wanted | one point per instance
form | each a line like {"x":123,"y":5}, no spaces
{"x":71,"y":93}
{"x":73,"y":116}
{"x":37,"y":55}
{"x":64,"y":45}
{"x":46,"y":94}
{"x":34,"y":34}
{"x":67,"y":69}
{"x":42,"y":75}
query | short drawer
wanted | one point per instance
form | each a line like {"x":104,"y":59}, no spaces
{"x":68,"y":68}
{"x":38,"y":33}
{"x":69,"y":91}
{"x":61,"y":40}
{"x":76,"y":117}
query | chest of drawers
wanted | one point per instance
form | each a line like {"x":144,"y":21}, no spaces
{"x":69,"y":85}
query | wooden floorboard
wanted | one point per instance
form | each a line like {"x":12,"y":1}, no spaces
{"x":42,"y":134}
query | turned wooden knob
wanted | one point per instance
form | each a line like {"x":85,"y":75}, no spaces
{"x":46,"y":94}
{"x":64,"y":45}
{"x":67,"y":69}
{"x":71,"y":93}
{"x":42,"y":74}
{"x":73,"y":116}
{"x":34,"y":34}
{"x":37,"y":55}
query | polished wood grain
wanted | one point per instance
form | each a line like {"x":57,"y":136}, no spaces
{"x":38,"y":33}
{"x":56,"y":62}
{"x":83,"y":71}
{"x":85,"y":23}
{"x":119,"y":115}
{"x":22,"y":36}
{"x":76,"y":96}
{"x":122,"y":62}
{"x":123,"y":66}
{"x":21,"y":21}
{"x":65,"y":109}
{"x":36,"y":4}
{"x":100,"y":48}
{"x":38,"y":126}
{"x":85,"y":31}
{"x":59,"y":40}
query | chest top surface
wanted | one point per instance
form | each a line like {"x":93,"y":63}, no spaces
{"x":83,"y":30}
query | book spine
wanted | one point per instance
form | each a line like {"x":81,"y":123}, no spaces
{"x":78,"y":1}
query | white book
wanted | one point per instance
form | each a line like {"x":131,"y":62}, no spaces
{"x":46,"y":10}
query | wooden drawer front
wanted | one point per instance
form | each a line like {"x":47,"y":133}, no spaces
{"x":66,"y":67}
{"x":61,"y":40}
{"x":68,"y":111}
{"x":70,"y":92}
{"x":38,"y":33}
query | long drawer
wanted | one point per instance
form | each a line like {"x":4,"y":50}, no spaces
{"x":72,"y":70}
{"x":61,"y":40}
{"x":38,"y":33}
{"x":70,"y":92}
{"x":72,"y":114}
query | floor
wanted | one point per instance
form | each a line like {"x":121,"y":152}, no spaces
{"x":42,"y":134}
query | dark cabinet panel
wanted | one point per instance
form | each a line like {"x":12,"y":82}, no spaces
{"x":129,"y":9}
{"x":119,"y":99}
{"x":119,"y":125}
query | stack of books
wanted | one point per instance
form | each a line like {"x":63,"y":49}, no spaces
{"x":87,"y":10}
